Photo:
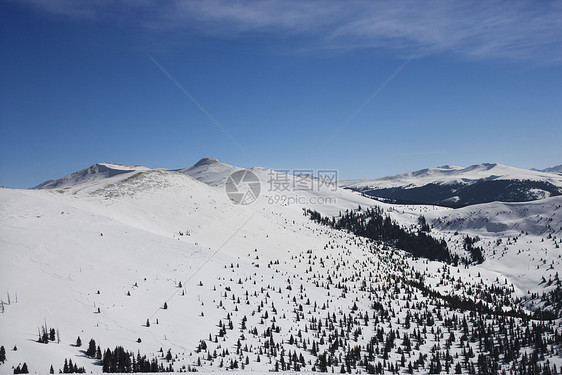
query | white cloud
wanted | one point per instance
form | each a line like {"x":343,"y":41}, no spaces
{"x":525,"y":30}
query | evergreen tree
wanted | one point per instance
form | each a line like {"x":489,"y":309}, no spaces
{"x":373,"y":224}
{"x":2,"y":354}
{"x":78,"y":342}
{"x":91,"y":352}
{"x":458,"y":368}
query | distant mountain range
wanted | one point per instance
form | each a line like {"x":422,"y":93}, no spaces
{"x":448,"y":185}
{"x":454,"y":186}
{"x":555,"y":169}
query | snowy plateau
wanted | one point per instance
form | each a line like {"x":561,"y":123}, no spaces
{"x":158,"y":270}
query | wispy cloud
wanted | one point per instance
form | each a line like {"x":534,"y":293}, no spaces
{"x":523,"y":30}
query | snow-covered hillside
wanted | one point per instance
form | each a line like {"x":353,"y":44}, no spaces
{"x":97,"y":171}
{"x":159,"y":260}
{"x":509,"y":218}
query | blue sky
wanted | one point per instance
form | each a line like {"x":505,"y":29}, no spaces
{"x":281,"y":84}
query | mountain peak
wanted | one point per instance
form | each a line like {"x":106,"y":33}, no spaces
{"x":210,"y":171}
{"x":449,"y":166}
{"x":207,"y":161}
{"x":489,"y":166}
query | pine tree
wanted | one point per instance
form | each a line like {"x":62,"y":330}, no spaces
{"x":78,"y":342}
{"x":24,"y":369}
{"x":107,"y":359}
{"x":2,"y":354}
{"x":165,"y":306}
{"x":458,"y":368}
{"x":91,"y":352}
{"x":147,"y":323}
{"x":51,"y":370}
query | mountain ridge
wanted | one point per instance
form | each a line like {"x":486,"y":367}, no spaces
{"x":454,"y":186}
{"x":93,"y":172}
{"x":555,"y":169}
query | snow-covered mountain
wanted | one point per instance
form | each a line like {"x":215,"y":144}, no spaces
{"x":159,"y":261}
{"x":210,"y":171}
{"x":455,"y":186}
{"x":94,"y":172}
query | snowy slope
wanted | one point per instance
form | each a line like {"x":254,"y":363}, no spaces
{"x":108,"y":234}
{"x":521,"y":241}
{"x":134,"y":236}
{"x":537,"y":217}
